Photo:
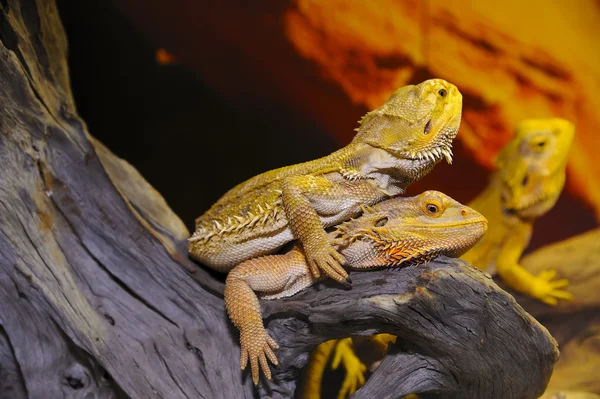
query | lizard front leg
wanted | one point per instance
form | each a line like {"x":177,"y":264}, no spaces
{"x":303,"y":219}
{"x":274,"y":276}
{"x":542,"y":286}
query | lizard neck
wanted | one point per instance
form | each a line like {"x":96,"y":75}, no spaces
{"x":500,"y":225}
{"x":491,"y":205}
{"x":388,"y":172}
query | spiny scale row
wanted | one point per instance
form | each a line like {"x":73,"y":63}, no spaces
{"x":352,"y":174}
{"x":410,"y":250}
{"x":434,"y":154}
{"x":237,"y":223}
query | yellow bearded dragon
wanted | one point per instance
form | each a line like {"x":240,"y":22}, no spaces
{"x":395,"y":145}
{"x":394,"y":232}
{"x":529,"y":179}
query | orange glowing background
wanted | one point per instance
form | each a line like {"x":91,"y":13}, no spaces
{"x":331,"y":61}
{"x":523,"y":59}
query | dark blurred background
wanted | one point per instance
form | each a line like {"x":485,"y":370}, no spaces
{"x":191,"y":143}
{"x":199,"y":97}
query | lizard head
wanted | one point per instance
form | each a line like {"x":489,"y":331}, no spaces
{"x":410,"y":230}
{"x":532,"y":166}
{"x":416,"y":124}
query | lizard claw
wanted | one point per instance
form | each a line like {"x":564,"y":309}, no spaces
{"x":347,"y":283}
{"x":257,"y":346}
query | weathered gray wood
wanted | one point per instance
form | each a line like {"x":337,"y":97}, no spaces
{"x":569,"y":395}
{"x":575,"y":325}
{"x":458,"y":333}
{"x":73,"y":252}
{"x":11,"y":379}
{"x":96,"y":302}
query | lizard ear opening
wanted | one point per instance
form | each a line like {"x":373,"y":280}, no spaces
{"x":427,"y":127}
{"x":381,"y":222}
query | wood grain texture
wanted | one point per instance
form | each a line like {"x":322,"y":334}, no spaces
{"x":456,"y":329}
{"x":96,"y":301}
{"x":575,"y":325}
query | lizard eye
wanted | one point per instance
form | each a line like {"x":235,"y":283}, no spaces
{"x":538,"y":143}
{"x":442,"y":92}
{"x":538,"y":146}
{"x":541,"y":145}
{"x":432,"y":209}
{"x":381,"y":222}
{"x":433,"y":206}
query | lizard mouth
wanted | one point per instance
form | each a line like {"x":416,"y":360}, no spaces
{"x":479,"y":221}
{"x":526,"y":202}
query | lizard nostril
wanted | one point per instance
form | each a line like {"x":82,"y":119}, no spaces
{"x":463,"y":212}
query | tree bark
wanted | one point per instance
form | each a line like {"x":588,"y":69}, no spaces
{"x":96,"y":297}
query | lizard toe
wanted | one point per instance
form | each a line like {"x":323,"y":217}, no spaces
{"x":254,"y":369}
{"x":547,"y":274}
{"x":264,"y":365}
{"x":314,"y":268}
{"x":562,"y":283}
{"x":560,"y":294}
{"x":272,"y":342}
{"x":243,"y":358}
{"x":271,"y":356}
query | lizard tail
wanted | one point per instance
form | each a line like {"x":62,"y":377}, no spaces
{"x":315,"y":369}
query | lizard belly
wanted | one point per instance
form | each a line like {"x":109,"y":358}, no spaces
{"x":224,"y":253}
{"x":227,"y":246}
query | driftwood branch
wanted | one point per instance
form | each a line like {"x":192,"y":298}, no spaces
{"x":575,"y":325}
{"x":96,"y":301}
{"x":455,"y":330}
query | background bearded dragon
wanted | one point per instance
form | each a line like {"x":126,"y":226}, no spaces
{"x":392,"y":233}
{"x":529,"y":179}
{"x":396,"y":145}
{"x":530,"y":175}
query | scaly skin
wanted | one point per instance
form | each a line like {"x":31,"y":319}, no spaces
{"x":396,"y":145}
{"x":394,"y":232}
{"x":526,"y":185}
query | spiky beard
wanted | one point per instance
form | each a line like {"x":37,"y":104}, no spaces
{"x":442,"y":148}
{"x":434,"y":154}
{"x":392,"y":252}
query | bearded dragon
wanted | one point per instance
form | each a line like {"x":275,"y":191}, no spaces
{"x":395,"y":145}
{"x":529,"y":179}
{"x":394,"y":232}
